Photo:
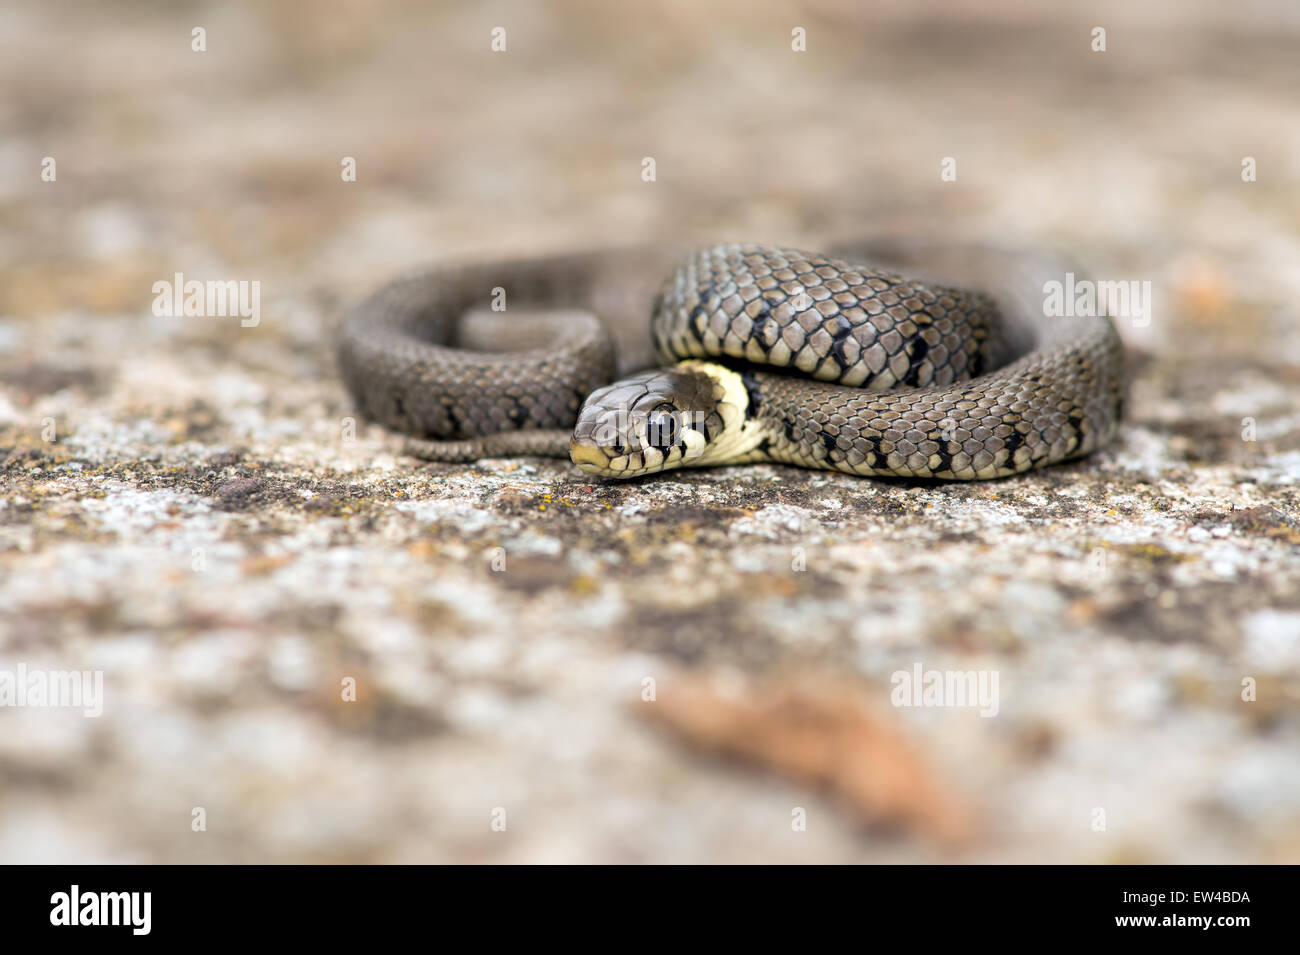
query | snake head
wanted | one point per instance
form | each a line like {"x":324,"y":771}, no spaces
{"x":658,"y":420}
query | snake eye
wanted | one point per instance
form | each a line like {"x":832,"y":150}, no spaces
{"x":663,"y":427}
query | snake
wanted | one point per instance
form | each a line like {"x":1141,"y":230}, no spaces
{"x":888,"y":358}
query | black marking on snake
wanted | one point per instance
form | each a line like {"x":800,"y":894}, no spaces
{"x":944,"y":452}
{"x":750,"y":382}
{"x":760,"y":321}
{"x":843,"y":329}
{"x":879,"y":459}
{"x":917,"y":351}
{"x":1075,"y":421}
{"x":456,"y":426}
{"x":945,"y":458}
{"x":1012,"y":441}
{"x":706,"y":291}
{"x":698,"y":318}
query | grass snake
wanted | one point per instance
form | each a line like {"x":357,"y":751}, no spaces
{"x":894,"y":358}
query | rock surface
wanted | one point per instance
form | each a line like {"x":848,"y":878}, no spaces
{"x":339,"y":653}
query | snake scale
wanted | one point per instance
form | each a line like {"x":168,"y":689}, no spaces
{"x":832,"y":361}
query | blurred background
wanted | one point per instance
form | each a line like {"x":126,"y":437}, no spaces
{"x":195,"y":527}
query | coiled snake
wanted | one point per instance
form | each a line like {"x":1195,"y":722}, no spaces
{"x":769,"y":354}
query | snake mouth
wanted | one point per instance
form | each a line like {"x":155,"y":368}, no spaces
{"x":588,"y":457}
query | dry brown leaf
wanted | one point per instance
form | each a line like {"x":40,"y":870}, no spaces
{"x":822,"y":732}
{"x":263,"y":564}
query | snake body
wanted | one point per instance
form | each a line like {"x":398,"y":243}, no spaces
{"x":771,"y":354}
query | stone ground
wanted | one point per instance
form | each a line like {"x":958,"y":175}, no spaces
{"x":183,"y":508}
